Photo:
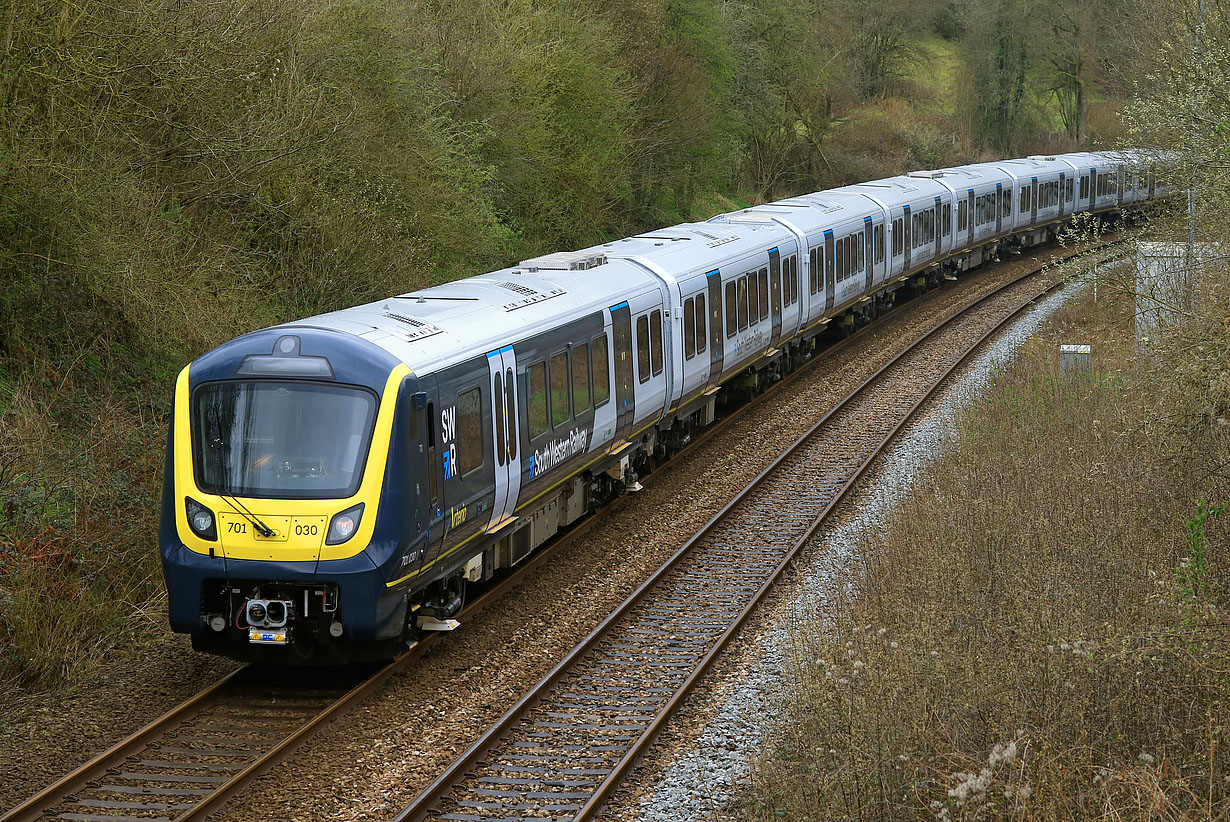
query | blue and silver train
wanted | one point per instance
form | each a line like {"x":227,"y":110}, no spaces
{"x":333,"y":484}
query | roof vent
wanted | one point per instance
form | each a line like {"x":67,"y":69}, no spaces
{"x":520,"y":289}
{"x":1046,"y":157}
{"x":529,"y":295}
{"x":565,"y":261}
{"x":714,"y":239}
{"x":926,"y":175}
{"x":418,"y":329}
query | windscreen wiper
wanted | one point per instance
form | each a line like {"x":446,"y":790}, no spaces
{"x":261,"y":528}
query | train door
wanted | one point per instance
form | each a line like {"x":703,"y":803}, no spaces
{"x":907,"y":240}
{"x":869,"y":230}
{"x":425,"y":433}
{"x":716,"y":337}
{"x":1033,"y":201}
{"x":940,"y":225}
{"x":621,"y":330}
{"x":830,"y":286}
{"x":999,"y":208}
{"x":502,"y":366}
{"x":775,"y":292}
{"x":971,"y":218}
{"x":1063,"y":191}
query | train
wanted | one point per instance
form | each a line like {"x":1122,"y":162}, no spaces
{"x":334,"y":485}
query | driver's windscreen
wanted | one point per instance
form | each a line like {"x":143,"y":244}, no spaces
{"x":281,"y":439}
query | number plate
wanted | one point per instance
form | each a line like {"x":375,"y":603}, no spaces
{"x":295,"y":539}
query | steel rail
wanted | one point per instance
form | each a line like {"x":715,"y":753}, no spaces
{"x":426,"y":803}
{"x":37,"y":806}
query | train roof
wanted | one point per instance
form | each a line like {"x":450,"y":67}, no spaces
{"x":902,"y":190}
{"x":812,"y":214}
{"x":435,"y":327}
{"x":692,"y":249}
{"x":974,"y":175}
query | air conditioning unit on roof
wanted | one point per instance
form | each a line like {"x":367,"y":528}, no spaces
{"x":564,"y":261}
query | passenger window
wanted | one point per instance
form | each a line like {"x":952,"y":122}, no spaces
{"x":860,"y":264}
{"x":689,"y":330}
{"x":763,"y":276}
{"x":536,"y":386}
{"x":732,"y":310}
{"x":880,"y":243}
{"x":497,"y":412}
{"x":840,"y":253}
{"x":753,"y":304}
{"x":812,"y":269}
{"x":742,"y":303}
{"x":642,"y":348}
{"x":560,"y":412}
{"x":702,"y":328}
{"x":510,"y":401}
{"x":580,"y":378}
{"x":655,"y":341}
{"x":794,"y":280}
{"x":469,"y":431}
{"x":602,"y":385}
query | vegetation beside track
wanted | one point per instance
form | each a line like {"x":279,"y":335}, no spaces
{"x":1040,"y":630}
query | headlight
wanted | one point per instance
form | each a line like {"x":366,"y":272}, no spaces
{"x":344,"y":525}
{"x":201,"y":520}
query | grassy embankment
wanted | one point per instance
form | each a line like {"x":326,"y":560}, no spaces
{"x":1039,"y":631}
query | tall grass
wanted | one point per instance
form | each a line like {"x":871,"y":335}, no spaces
{"x":1038,"y":633}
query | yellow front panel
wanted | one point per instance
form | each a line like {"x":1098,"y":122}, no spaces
{"x":293,"y":539}
{"x":295,"y":519}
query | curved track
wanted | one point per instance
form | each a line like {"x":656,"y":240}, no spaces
{"x":189,"y":762}
{"x":568,"y":743}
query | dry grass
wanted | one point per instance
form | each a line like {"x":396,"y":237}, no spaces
{"x":78,"y":525}
{"x":1038,"y":633}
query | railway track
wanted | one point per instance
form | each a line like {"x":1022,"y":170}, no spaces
{"x":188,"y":763}
{"x":567,"y":744}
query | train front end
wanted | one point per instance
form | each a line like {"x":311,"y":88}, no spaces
{"x":289,"y":502}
